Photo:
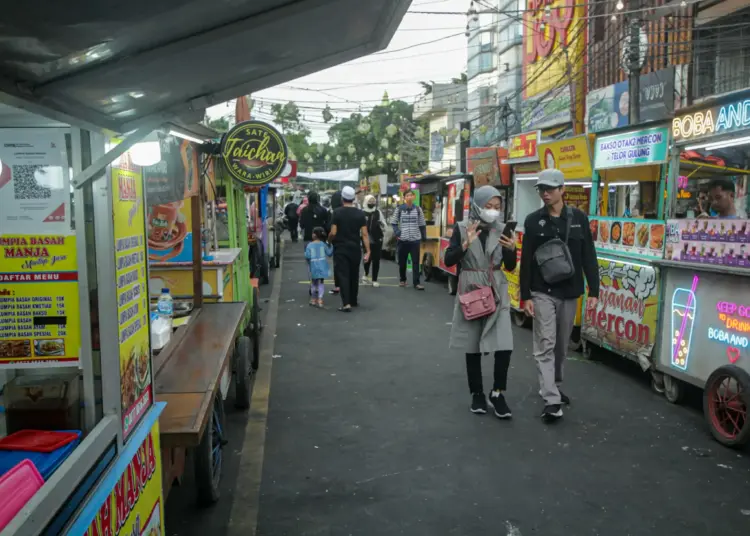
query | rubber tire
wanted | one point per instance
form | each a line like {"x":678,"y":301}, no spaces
{"x":657,"y":382}
{"x":452,"y":285}
{"x":743,"y":379}
{"x":576,"y":342}
{"x":428,"y":263}
{"x":243,"y":385}
{"x":519,"y":318}
{"x":206,"y":482}
{"x":673,"y":389}
{"x":255,"y":330}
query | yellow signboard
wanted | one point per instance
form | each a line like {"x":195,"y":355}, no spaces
{"x":132,"y":293}
{"x":39,"y":318}
{"x":554,"y":35}
{"x":514,"y":277}
{"x":129,"y":499}
{"x":571,"y":156}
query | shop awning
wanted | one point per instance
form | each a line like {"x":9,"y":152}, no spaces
{"x":711,"y":169}
{"x":122,"y":67}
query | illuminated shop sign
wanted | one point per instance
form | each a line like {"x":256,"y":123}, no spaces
{"x":712,"y":121}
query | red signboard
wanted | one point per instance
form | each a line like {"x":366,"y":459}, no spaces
{"x":524,"y":145}
{"x":450,"y":217}
{"x":485,"y":164}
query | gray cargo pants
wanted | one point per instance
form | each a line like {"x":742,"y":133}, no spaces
{"x":553,"y":325}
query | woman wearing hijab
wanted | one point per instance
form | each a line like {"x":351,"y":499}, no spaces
{"x":482,"y":251}
{"x":375,"y":231}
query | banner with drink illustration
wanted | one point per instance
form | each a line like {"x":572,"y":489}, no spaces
{"x":170,"y":238}
{"x":129,"y":500}
{"x":630,"y":236}
{"x":625,"y":317}
{"x":724,"y":242}
{"x":132,"y":293}
{"x":39,"y":319}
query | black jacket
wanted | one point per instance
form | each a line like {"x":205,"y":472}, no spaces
{"x":291,"y":211}
{"x":312,"y":216}
{"x":374,"y":230}
{"x":540,"y":227}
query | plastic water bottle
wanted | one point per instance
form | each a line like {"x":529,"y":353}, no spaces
{"x":165,"y":306}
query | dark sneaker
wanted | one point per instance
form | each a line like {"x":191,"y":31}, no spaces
{"x":478,"y":404}
{"x":497,"y":401}
{"x":565,"y":399}
{"x":552,"y":413}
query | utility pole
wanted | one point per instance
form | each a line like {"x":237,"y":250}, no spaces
{"x":634,"y":65}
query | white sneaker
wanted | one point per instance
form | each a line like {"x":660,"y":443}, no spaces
{"x":375,"y":284}
{"x":365,"y":281}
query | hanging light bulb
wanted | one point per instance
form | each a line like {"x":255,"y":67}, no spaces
{"x":362,"y":167}
{"x":619,"y":6}
{"x":363,"y":160}
{"x":381,"y":162}
{"x":363,"y":127}
{"x":454,"y":132}
{"x":371,"y":157}
{"x":483,"y":129}
{"x":389,"y":156}
{"x":328,"y":158}
{"x":384,"y":143}
{"x":443,"y":131}
{"x":351,"y":149}
{"x":391,"y":130}
{"x":465,"y":133}
{"x":613,"y":18}
{"x":309,"y":159}
{"x":466,"y":33}
{"x":309,"y":169}
{"x":338,"y":158}
{"x":419,"y":133}
{"x":683,"y":3}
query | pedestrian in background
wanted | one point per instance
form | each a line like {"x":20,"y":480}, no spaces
{"x":375,"y":230}
{"x":410,"y":229}
{"x":335,"y":203}
{"x":482,"y":250}
{"x":348,"y":231}
{"x":313,"y":215}
{"x":317,"y":253}
{"x":292,"y":220}
{"x":560,"y":236}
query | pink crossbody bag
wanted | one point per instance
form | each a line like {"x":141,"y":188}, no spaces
{"x":479,"y":302}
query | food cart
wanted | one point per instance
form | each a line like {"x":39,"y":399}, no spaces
{"x":444,"y":201}
{"x":627,"y":224}
{"x":705,"y":320}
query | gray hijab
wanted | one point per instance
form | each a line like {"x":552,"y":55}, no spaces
{"x":482,"y":196}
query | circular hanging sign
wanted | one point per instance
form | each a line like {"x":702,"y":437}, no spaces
{"x":254,"y":152}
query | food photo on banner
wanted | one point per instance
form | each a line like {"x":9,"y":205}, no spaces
{"x":641,"y":237}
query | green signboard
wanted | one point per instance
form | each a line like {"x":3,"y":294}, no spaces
{"x":633,"y":148}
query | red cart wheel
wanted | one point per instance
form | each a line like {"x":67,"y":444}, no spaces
{"x":726,"y":399}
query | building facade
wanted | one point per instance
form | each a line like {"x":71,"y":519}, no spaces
{"x":445,"y":109}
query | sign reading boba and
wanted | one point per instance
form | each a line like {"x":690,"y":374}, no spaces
{"x":634,"y":148}
{"x":712,"y":121}
{"x":254,"y":153}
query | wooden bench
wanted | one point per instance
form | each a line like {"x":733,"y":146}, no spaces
{"x":187,"y":372}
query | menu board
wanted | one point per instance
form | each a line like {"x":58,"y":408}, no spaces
{"x":39,"y":320}
{"x":578,"y":197}
{"x":625,"y":316}
{"x":34,"y":181}
{"x":129,"y":500}
{"x":630,"y":236}
{"x":132,"y":294}
{"x":724,"y":242}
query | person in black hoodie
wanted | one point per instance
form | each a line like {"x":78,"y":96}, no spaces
{"x":290,"y":211}
{"x":375,"y":232}
{"x":335,"y":203}
{"x":312,"y":216}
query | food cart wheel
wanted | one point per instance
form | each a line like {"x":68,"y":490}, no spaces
{"x":657,"y":382}
{"x":256,"y":329}
{"x":726,"y":399}
{"x":575,"y":342}
{"x":242,"y":373}
{"x":209,"y":456}
{"x":428,"y":263}
{"x":587,"y":349}
{"x":520,"y":319}
{"x":452,"y":285}
{"x":673,"y":390}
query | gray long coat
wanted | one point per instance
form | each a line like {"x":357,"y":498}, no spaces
{"x":490,"y":333}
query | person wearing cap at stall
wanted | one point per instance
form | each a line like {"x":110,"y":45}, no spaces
{"x":348,"y":231}
{"x":553,"y":305}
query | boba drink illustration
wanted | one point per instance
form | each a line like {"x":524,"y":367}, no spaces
{"x":683,"y":316}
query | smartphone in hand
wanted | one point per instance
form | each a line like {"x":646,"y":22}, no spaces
{"x":509,"y":228}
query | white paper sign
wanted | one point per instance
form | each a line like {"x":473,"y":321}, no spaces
{"x":34,"y":182}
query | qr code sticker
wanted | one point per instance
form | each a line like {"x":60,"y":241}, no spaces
{"x":25,"y":184}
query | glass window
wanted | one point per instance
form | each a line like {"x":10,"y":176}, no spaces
{"x":481,"y":42}
{"x":480,"y":63}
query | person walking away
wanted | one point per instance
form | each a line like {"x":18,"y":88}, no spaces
{"x":410,"y":229}
{"x":482,"y":250}
{"x":317,"y":253}
{"x":313,"y":215}
{"x":335,"y":203}
{"x":558,"y":235}
{"x":292,"y":220}
{"x":375,"y":230}
{"x":348,"y":231}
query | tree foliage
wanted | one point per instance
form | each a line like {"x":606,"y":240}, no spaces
{"x":220,"y":124}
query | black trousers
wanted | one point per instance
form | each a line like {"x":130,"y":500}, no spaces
{"x":404,"y":249}
{"x":346,"y":267}
{"x":474,"y":371}
{"x":293,"y":229}
{"x":376,"y":249}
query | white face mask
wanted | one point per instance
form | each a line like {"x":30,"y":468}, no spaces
{"x":489,"y":214}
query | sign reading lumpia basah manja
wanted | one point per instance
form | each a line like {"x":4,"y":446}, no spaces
{"x":254,"y":152}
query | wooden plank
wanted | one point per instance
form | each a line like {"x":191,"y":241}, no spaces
{"x":184,"y":418}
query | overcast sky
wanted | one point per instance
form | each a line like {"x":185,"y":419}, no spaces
{"x":361,"y":82}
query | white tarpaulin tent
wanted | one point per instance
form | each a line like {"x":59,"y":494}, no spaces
{"x":342,"y":175}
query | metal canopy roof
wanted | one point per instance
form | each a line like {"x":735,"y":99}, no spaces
{"x":107,"y":65}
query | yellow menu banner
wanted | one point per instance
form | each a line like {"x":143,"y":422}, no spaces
{"x":39,"y":316}
{"x":130,"y":501}
{"x":132,"y":293}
